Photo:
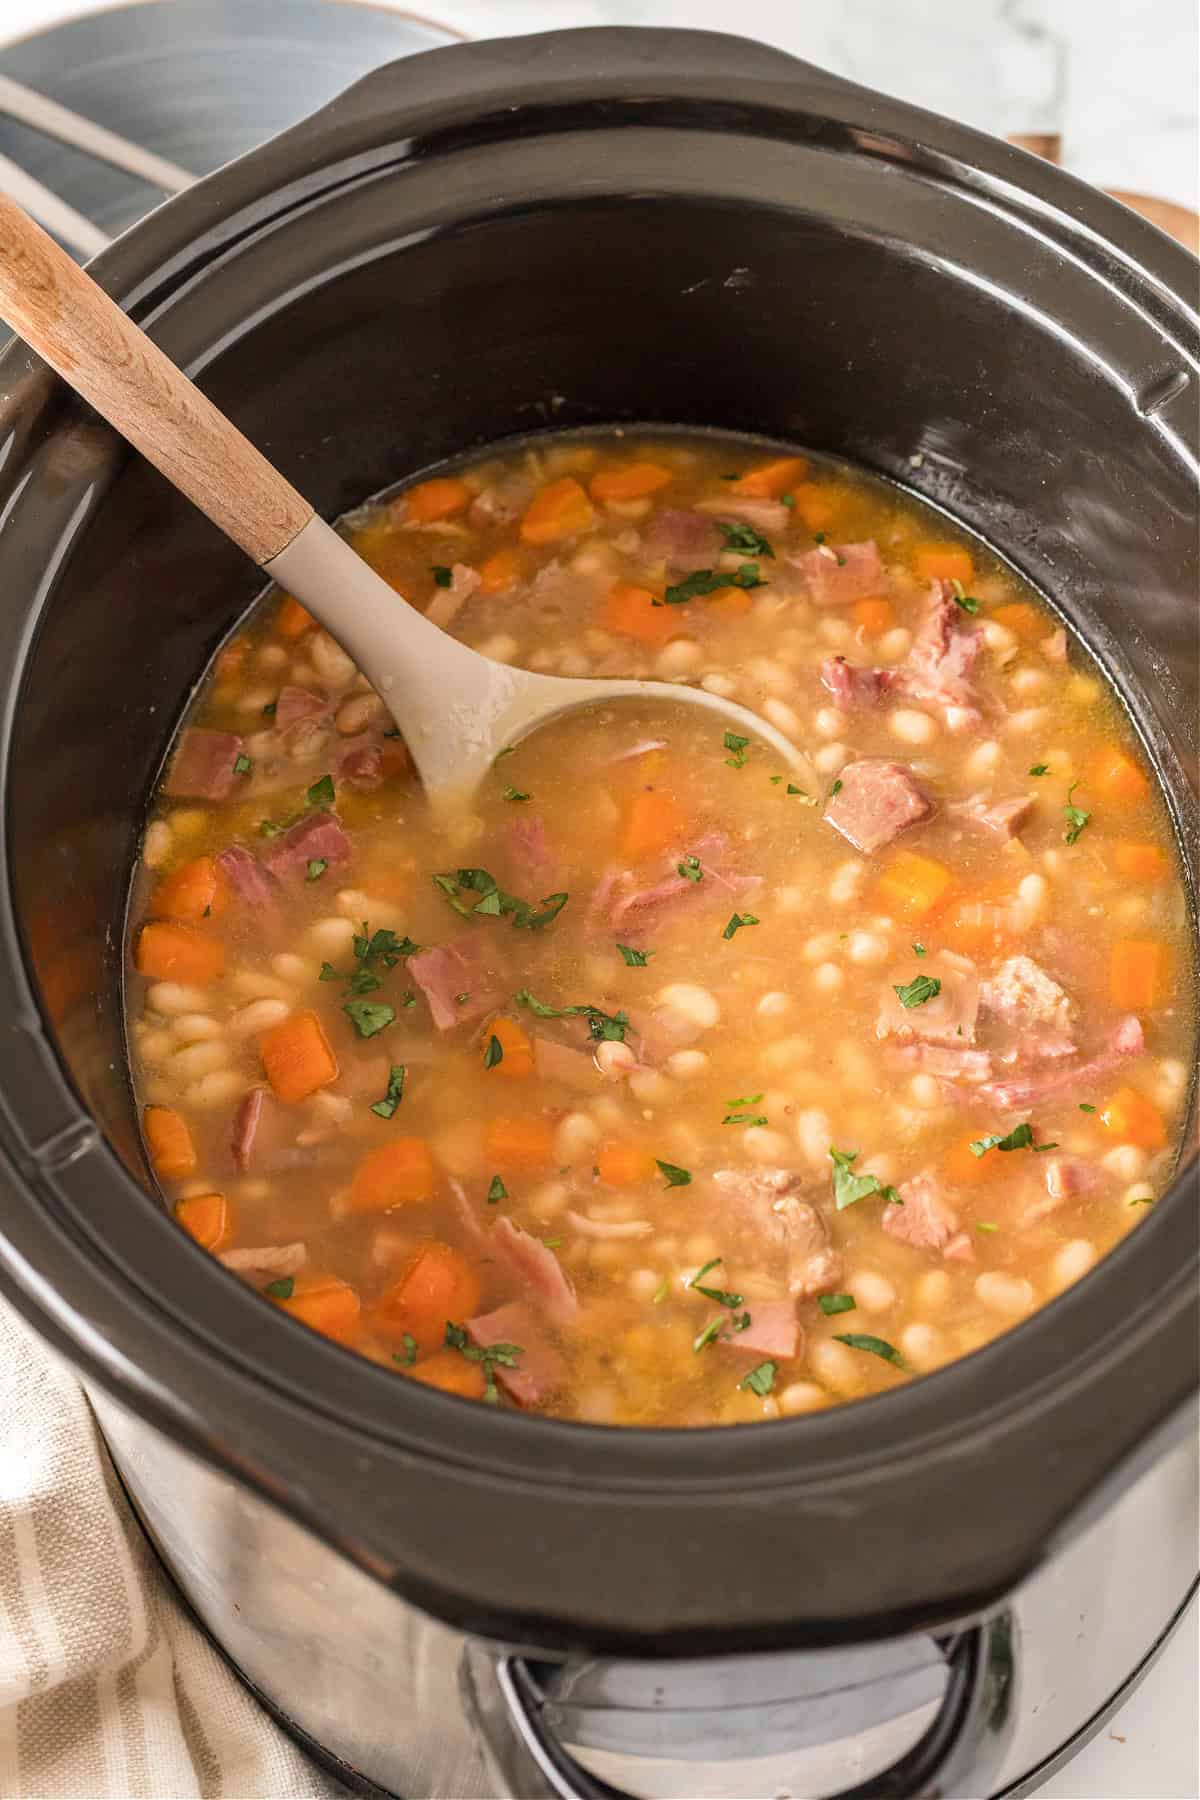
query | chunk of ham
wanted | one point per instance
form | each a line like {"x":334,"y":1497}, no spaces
{"x":248,"y":879}
{"x":960,"y":1248}
{"x":770,"y":1199}
{"x":272,"y":1259}
{"x":940,"y":665}
{"x":527,"y":850}
{"x":837,"y":574}
{"x":535,"y":1270}
{"x":317,"y":838}
{"x":297,"y":703}
{"x":852,"y":685}
{"x":949,"y":1018}
{"x":763,"y":515}
{"x":774,"y":1330}
{"x":1021,"y":995}
{"x":1000,"y":819}
{"x":926,"y":1221}
{"x":685,"y":541}
{"x":361,"y":762}
{"x":876,"y":801}
{"x":246,"y":1122}
{"x":1054,"y":647}
{"x":947,"y":1062}
{"x":448,"y":602}
{"x":444,"y":972}
{"x":559,"y":1062}
{"x":203,"y":765}
{"x":629,"y":907}
{"x":539,"y":1369}
{"x":1126,"y":1040}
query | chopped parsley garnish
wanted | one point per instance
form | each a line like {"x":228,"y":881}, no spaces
{"x":918,"y":949}
{"x":819,"y":537}
{"x":1019,"y":1138}
{"x":1040,"y":1149}
{"x":369,"y":1016}
{"x":745,"y":1100}
{"x":836,"y":1303}
{"x":761,"y":1380}
{"x":408,"y":999}
{"x":242,"y":765}
{"x":744,"y":1118}
{"x":985,"y":1225}
{"x":918,"y":991}
{"x":512,"y":793}
{"x":736,"y":922}
{"x":660,"y":1293}
{"x":710,"y":581}
{"x":316,"y":868}
{"x":494,"y":1053}
{"x":676,"y":1177}
{"x":738,"y":746}
{"x":321,"y":793}
{"x":495,"y":903}
{"x":719,"y":1296}
{"x":329,"y":973}
{"x":496,"y":1191}
{"x":270,"y":709}
{"x":604,"y":1027}
{"x":1142,"y":1200}
{"x":1086,"y":1106}
{"x":553,"y":1243}
{"x":409,"y":1353}
{"x":836,"y":788}
{"x":1040,"y":769}
{"x":849,"y":1187}
{"x":690,"y":869}
{"x":746,"y":539}
{"x":442,"y":575}
{"x":799,"y":792}
{"x":787,"y":499}
{"x":384,"y":1108}
{"x":496,"y":1355}
{"x":1075,"y":816}
{"x":272,"y":828}
{"x":863,"y":1340}
{"x":508,"y":750}
{"x":712,"y":1330}
{"x":283,"y":1289}
{"x":968,"y":604}
{"x":634,"y":959}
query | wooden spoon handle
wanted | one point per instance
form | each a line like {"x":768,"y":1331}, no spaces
{"x":71,"y":322}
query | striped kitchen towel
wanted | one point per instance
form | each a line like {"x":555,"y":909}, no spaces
{"x":107,"y":1689}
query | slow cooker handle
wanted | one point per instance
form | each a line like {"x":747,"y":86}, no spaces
{"x":958,"y":1755}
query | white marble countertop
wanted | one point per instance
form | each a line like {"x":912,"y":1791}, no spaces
{"x":1116,"y":79}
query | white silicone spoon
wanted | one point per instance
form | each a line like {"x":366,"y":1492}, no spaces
{"x":456,"y":708}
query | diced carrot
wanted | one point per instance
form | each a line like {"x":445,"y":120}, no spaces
{"x":1135,"y":973}
{"x":817,"y":504}
{"x":873,"y":616}
{"x":516,"y":1048}
{"x":169,"y":1141}
{"x":945,"y":562}
{"x":1141,"y":862}
{"x":324,"y":1304}
{"x":292,"y":620}
{"x":499,"y":571}
{"x":231,"y":661}
{"x":1023,"y":620}
{"x":632,"y":482}
{"x":913,"y":883}
{"x":654,"y":823}
{"x":296,"y":1056}
{"x":206,"y":1218}
{"x":170,"y":952}
{"x":965,"y":1169}
{"x":397,"y":1174}
{"x":1114,"y":776}
{"x":519,"y":1143}
{"x":728,"y":602}
{"x":436,"y":1285}
{"x":766,"y":481}
{"x":196,"y":890}
{"x":632,"y":611}
{"x":450,"y":1371}
{"x":559,"y":510}
{"x":621,"y":1165}
{"x":1134,"y":1119}
{"x":438,"y":499}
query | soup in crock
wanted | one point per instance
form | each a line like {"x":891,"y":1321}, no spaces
{"x":662,"y":1084}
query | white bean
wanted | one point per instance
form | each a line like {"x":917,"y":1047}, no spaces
{"x":813,"y":1136}
{"x":959,"y":719}
{"x":256,"y":984}
{"x":846,"y":882}
{"x":920,"y":1345}
{"x":191,"y":1190}
{"x":330,"y":660}
{"x":216,"y":1088}
{"x":173,"y":997}
{"x":1083,"y":690}
{"x":1072,"y":1261}
{"x":912,"y":727}
{"x":198,"y":1059}
{"x":686,"y":1065}
{"x":576,"y":1137}
{"x":356,"y":713}
{"x":783,"y":718}
{"x":786,"y":1054}
{"x":643,"y":1284}
{"x":156,"y":845}
{"x":683,"y":656}
{"x":774,"y":676}
{"x":700,"y":1247}
{"x":722,"y":685}
{"x":548,"y":1200}
{"x":792,"y":899}
{"x":187,"y":821}
{"x":997,"y":637}
{"x":1140,"y":1194}
{"x":819,"y":948}
{"x":1169,"y":1082}
{"x":982,"y":761}
{"x":873,"y":1293}
{"x":332,"y":937}
{"x":1011,"y":1295}
{"x":1029,"y":681}
{"x":696,"y":1003}
{"x":894,"y":645}
{"x":501,"y":647}
{"x":574,"y":663}
{"x":829,"y":722}
{"x":762,"y":1145}
{"x":867,"y":947}
{"x":1127,"y":1162}
{"x":933,"y":1289}
{"x":252,"y":700}
{"x":272,"y":656}
{"x":827,"y":978}
{"x":925,"y":1091}
{"x":155,"y":1046}
{"x":298,"y":969}
{"x":831,"y":757}
{"x":836,"y":1365}
{"x":802,"y":1397}
{"x":1031,"y":898}
{"x":837,"y":632}
{"x":774,"y":1005}
{"x":614,"y":1060}
{"x":1029,"y":718}
{"x":650,"y":1088}
{"x":191,"y":1028}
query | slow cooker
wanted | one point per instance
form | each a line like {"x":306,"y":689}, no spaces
{"x":931,"y":1592}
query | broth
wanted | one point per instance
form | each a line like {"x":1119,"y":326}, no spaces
{"x":663,"y":1085}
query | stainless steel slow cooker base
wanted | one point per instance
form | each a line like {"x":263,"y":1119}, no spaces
{"x":1090,"y":1622}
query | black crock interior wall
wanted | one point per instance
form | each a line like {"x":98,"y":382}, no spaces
{"x":617,"y":311}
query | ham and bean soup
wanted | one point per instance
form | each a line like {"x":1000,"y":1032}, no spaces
{"x":664,"y":1085}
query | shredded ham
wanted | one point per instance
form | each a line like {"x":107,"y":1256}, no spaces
{"x":559,"y":1062}
{"x":448,"y":970}
{"x":448,"y":602}
{"x":1126,"y":1040}
{"x":773,"y":1330}
{"x":535,"y":1269}
{"x":926,"y":1221}
{"x":296,"y":703}
{"x":273,"y":1259}
{"x":838,"y":574}
{"x":538,"y":1370}
{"x":203,"y":765}
{"x":609,"y":1228}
